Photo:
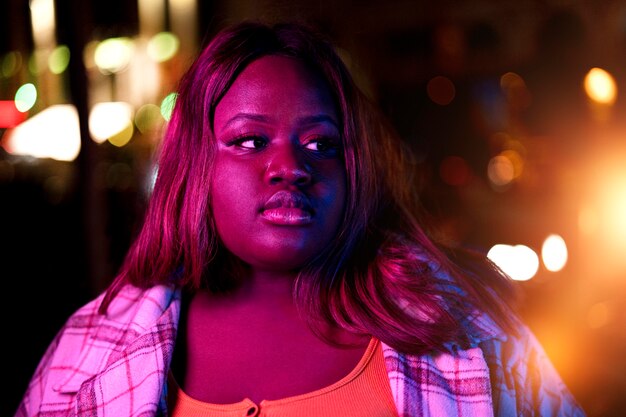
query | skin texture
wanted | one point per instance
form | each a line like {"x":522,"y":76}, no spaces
{"x":278,"y":199}
{"x":278,"y":146}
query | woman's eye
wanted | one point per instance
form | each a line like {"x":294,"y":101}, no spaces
{"x":321,"y":145}
{"x":250,"y":142}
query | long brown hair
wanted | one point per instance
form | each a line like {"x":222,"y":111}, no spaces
{"x":381,"y":274}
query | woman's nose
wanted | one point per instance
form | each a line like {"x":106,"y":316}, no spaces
{"x":286,"y":165}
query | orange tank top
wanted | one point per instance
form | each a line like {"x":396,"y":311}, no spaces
{"x":365,"y":391}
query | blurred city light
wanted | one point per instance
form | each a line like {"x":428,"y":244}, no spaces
{"x":113,"y":55}
{"x":167,"y":105}
{"x":500,"y":170}
{"x":554,"y":253}
{"x":59,"y":59}
{"x":106,"y":120}
{"x":519,"y":262}
{"x":43,"y":23}
{"x":600,"y":86}
{"x":52,"y":133}
{"x":163,"y":46}
{"x":441,"y":90}
{"x":10,"y":116}
{"x":10,"y":64}
{"x":515,"y":89}
{"x":148,"y":117}
{"x":25,"y":97}
{"x":151,"y":16}
{"x":124,"y":136}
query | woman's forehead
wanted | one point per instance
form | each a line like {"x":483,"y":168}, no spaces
{"x":278,"y":86}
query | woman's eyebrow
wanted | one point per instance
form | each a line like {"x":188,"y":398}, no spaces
{"x":307,"y":120}
{"x":318,"y":118}
{"x":246,"y":116}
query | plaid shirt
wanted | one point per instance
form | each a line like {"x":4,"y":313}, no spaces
{"x":116,"y":365}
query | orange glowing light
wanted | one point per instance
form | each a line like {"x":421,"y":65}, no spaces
{"x":598,"y":315}
{"x":501,"y":170}
{"x":600,"y":86}
{"x":587,"y":220}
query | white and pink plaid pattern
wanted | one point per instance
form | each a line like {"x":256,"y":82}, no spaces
{"x":116,"y":366}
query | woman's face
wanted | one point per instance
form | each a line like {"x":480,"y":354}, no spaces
{"x":278,"y":189}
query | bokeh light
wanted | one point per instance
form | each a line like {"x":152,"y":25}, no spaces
{"x":148,"y":117}
{"x":107,"y":120}
{"x":519,"y":262}
{"x":25,"y":97}
{"x":500,"y":170}
{"x":11,"y":63}
{"x":441,"y":90}
{"x":124,"y":136}
{"x":10,"y":116}
{"x":163,"y":46}
{"x":59,"y":59}
{"x":167,"y":106}
{"x":600,"y":86}
{"x":516,"y":91}
{"x":52,"y":133}
{"x":43,"y":22}
{"x":113,"y":55}
{"x":554,"y":253}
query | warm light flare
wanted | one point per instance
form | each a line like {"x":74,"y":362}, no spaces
{"x":587,"y":220}
{"x":42,"y":17}
{"x":107,"y":120}
{"x":554,"y":253}
{"x":114,"y":54}
{"x":598,"y":315}
{"x":52,"y":133}
{"x":519,"y":262}
{"x":500,"y":170}
{"x":600,"y":86}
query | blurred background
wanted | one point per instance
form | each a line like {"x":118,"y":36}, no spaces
{"x":515,"y":110}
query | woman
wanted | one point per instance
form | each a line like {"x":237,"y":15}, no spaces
{"x":281,"y":269}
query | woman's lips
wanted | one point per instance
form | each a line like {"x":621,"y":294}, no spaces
{"x":288,"y":208}
{"x":287,"y":216}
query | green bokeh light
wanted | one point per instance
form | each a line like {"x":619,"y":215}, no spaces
{"x":59,"y":59}
{"x":167,"y":105}
{"x":163,"y":46}
{"x":25,"y":97}
{"x":11,"y":63}
{"x":147,"y":117}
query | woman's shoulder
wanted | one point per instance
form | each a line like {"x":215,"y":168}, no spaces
{"x":139,"y":307}
{"x":523,"y":378}
{"x":89,"y":340}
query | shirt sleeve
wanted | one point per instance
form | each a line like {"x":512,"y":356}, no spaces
{"x":524,"y":381}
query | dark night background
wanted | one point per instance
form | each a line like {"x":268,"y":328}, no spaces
{"x":66,"y":225}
